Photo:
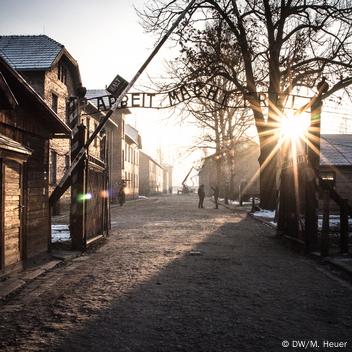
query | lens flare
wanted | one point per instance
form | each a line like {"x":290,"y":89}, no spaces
{"x":104,"y":193}
{"x":83,"y":197}
{"x":294,"y":127}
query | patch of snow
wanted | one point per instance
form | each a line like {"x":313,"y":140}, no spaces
{"x":236,"y":202}
{"x":60,"y":233}
{"x":334,"y":222}
{"x":142,"y":197}
{"x":270,"y":214}
{"x":59,"y":227}
{"x":233,"y":202}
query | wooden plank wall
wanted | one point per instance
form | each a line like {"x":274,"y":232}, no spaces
{"x":36,"y":197}
{"x":12,"y":221}
{"x":36,"y":221}
{"x":95,"y":206}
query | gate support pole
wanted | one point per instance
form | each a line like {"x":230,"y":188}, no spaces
{"x":344,"y":226}
{"x":78,"y":192}
{"x":312,"y":170}
{"x":324,"y":245}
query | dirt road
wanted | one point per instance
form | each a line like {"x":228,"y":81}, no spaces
{"x":172,"y":277}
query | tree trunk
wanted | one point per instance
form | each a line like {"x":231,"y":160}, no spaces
{"x":268,"y":174}
{"x":269,"y":151}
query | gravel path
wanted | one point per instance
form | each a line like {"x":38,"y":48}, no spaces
{"x":172,"y":277}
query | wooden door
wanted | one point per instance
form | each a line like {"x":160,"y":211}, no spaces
{"x":2,"y":237}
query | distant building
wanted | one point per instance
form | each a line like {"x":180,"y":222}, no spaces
{"x":124,"y":143}
{"x":167,"y":178}
{"x":336,"y":162}
{"x":26,"y":126}
{"x":151,"y":175}
{"x":115,"y":138}
{"x":132,"y":148}
{"x":242,"y":177}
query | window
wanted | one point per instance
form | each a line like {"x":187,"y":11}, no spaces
{"x":67,"y":161}
{"x":67,"y":113}
{"x":52,"y":167}
{"x":88,"y":127}
{"x":329,"y":180}
{"x":62,"y":73}
{"x":96,"y":138}
{"x":54,"y":102}
{"x":123,"y":160}
{"x":123,"y":128}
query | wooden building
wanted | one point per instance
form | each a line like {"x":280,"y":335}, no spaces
{"x":26,"y":126}
{"x":54,"y":74}
{"x":336,"y":162}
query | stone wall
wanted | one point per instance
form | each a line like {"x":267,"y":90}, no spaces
{"x":52,"y":85}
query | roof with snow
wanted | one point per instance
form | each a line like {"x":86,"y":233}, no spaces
{"x":133,"y":135}
{"x":336,"y":149}
{"x":93,"y":93}
{"x":29,"y":52}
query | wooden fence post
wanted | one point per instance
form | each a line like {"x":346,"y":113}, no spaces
{"x":344,"y":226}
{"x":312,"y":170}
{"x":324,"y":242}
{"x":253,"y":204}
{"x":240,"y":199}
{"x":78,"y":191}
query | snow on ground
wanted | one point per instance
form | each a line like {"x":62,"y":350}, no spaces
{"x":236,"y":202}
{"x":334,"y":222}
{"x":60,"y":233}
{"x":269,"y":216}
{"x":263,"y":213}
{"x":142,"y":197}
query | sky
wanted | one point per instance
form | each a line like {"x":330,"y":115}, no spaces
{"x":106,"y":39}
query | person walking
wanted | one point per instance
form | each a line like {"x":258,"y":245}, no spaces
{"x":201,"y":195}
{"x":122,"y":195}
{"x":216,"y":196}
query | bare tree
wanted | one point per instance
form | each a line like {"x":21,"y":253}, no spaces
{"x":273,"y":46}
{"x":223,"y":129}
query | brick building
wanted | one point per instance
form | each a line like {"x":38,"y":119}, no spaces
{"x":124,"y":143}
{"x":132,"y":148}
{"x":151,"y":179}
{"x":26,"y":126}
{"x":54,"y":74}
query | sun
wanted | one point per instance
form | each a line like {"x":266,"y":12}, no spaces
{"x":294,"y":127}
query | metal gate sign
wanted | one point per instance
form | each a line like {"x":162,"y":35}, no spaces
{"x":184,"y":93}
{"x":117,"y":86}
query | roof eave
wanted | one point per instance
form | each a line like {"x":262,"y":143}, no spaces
{"x":61,"y":126}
